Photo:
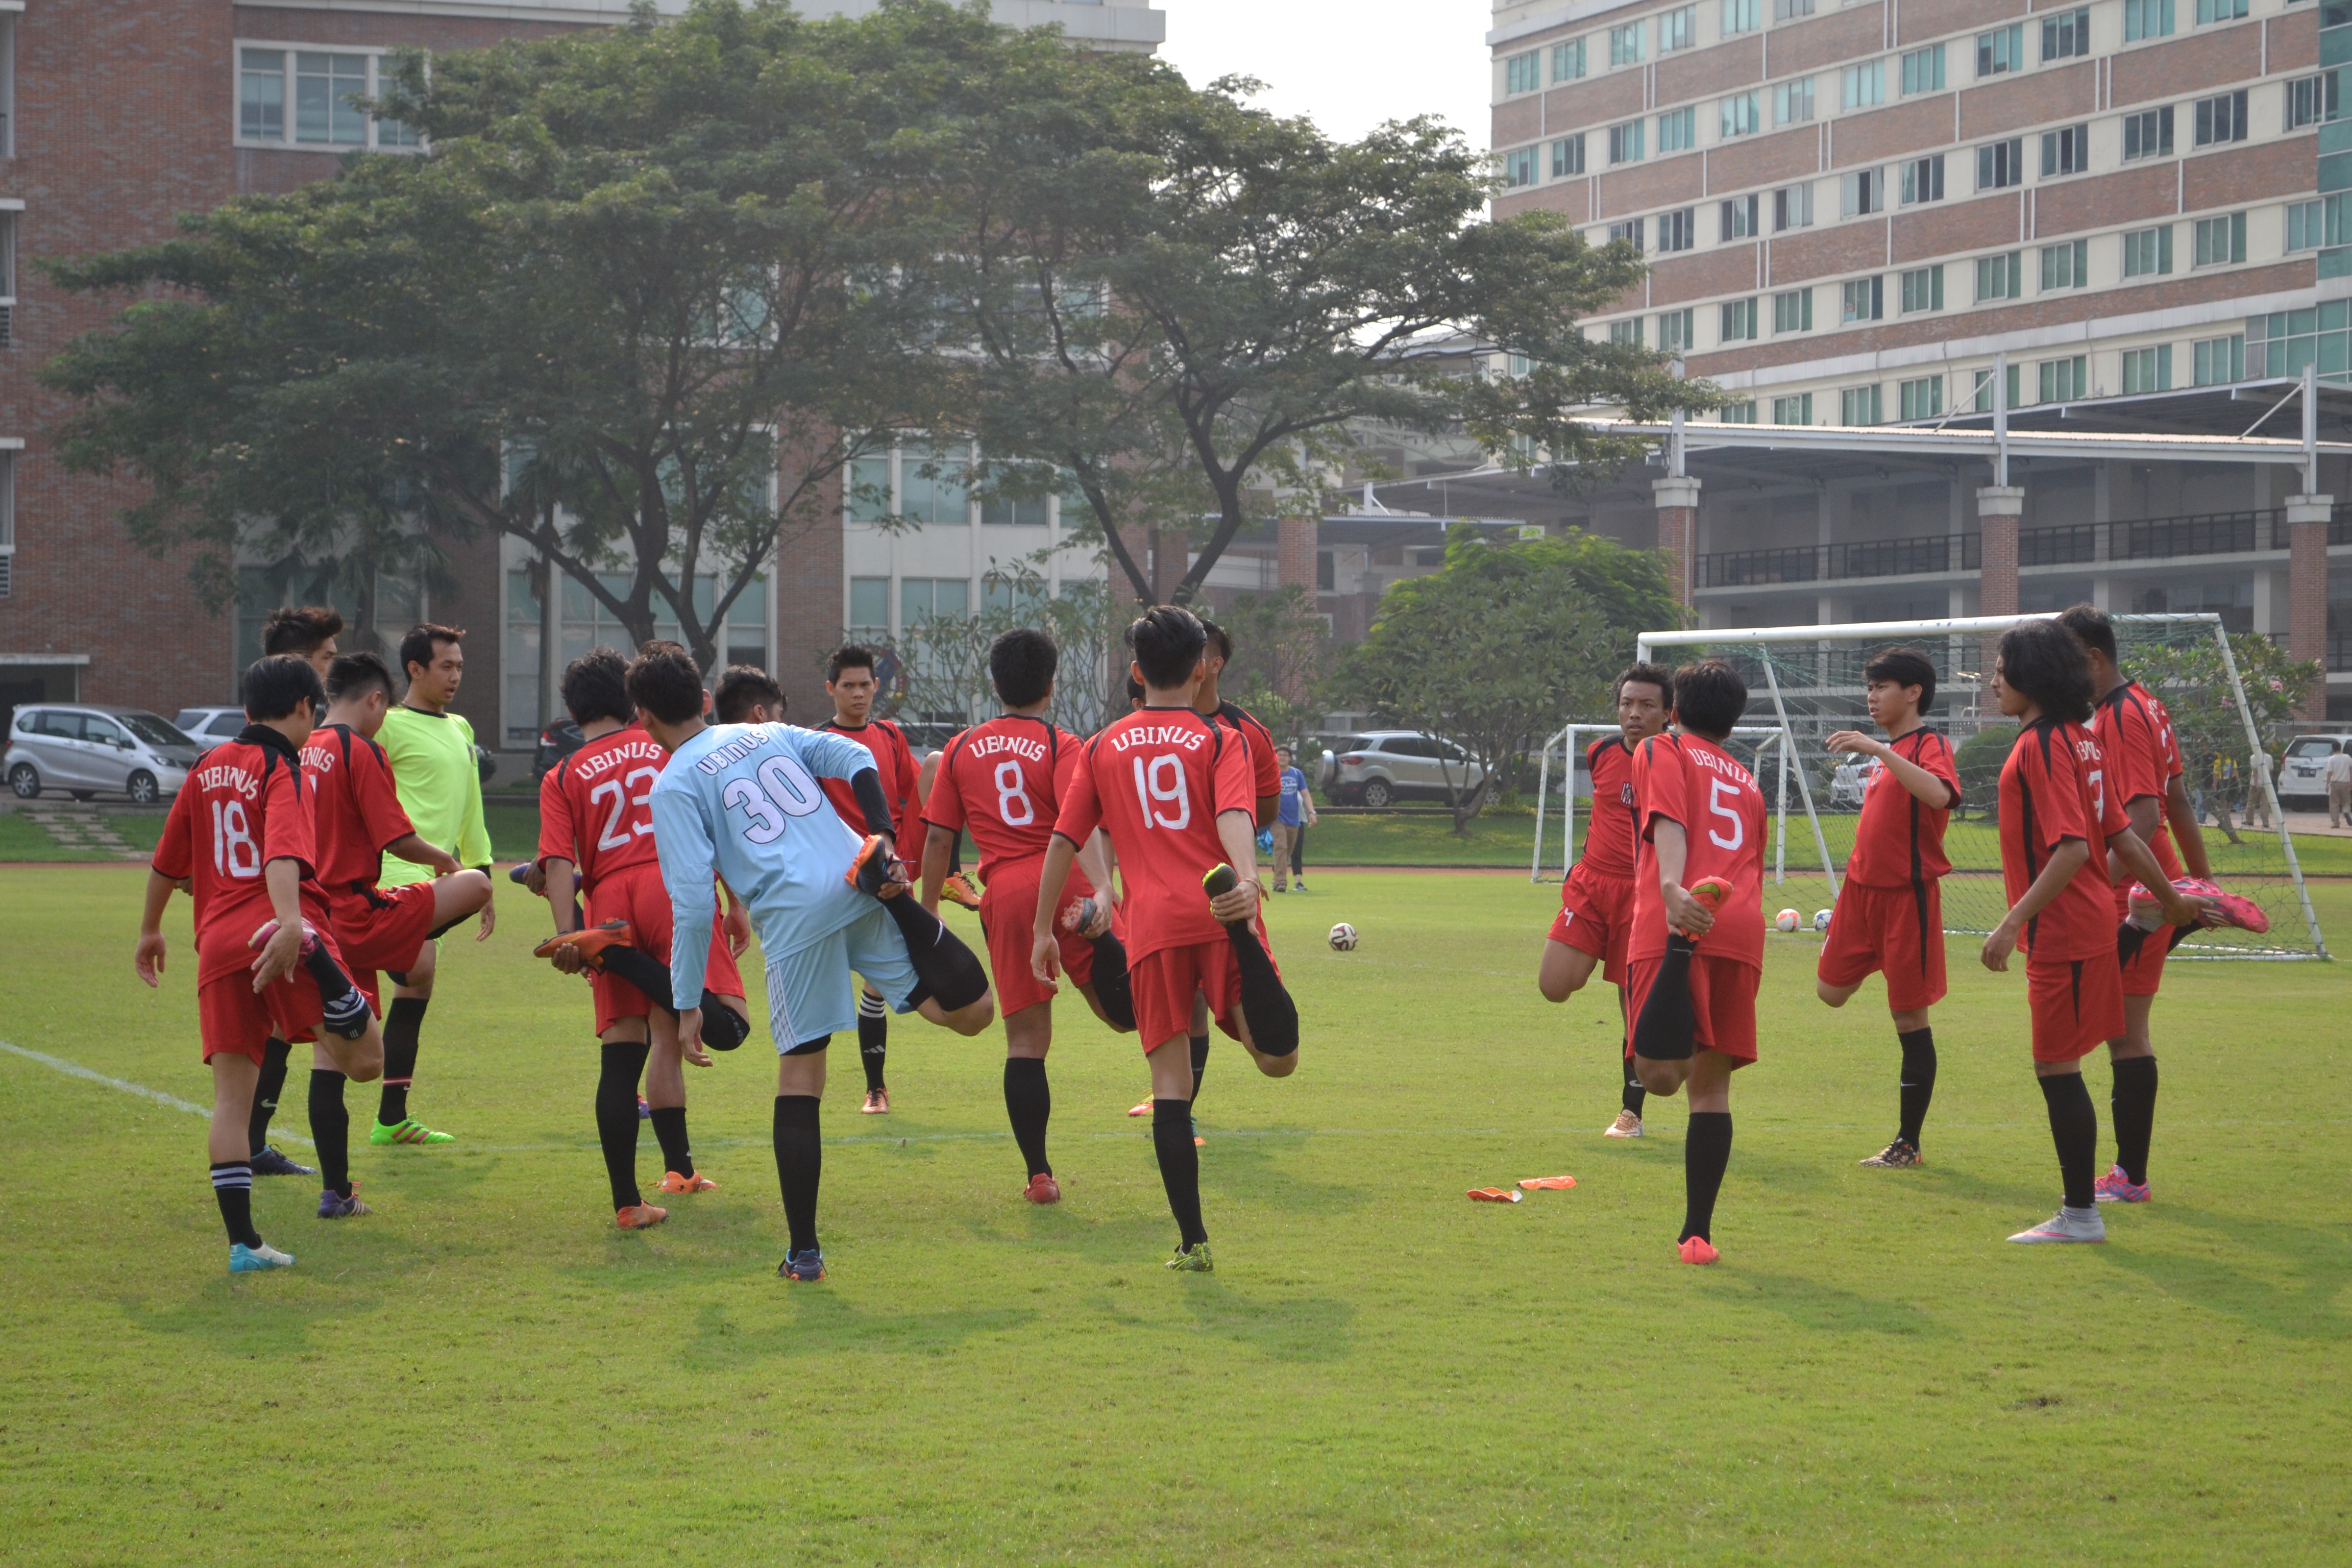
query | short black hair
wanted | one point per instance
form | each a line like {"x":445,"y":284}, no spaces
{"x":299,"y":628}
{"x":1641,"y":672}
{"x":1168,"y":640}
{"x":848,"y":656}
{"x":1021,"y":663}
{"x":1709,"y":698}
{"x":2091,"y":624}
{"x":596,"y":686}
{"x":667,"y":686}
{"x":279,"y":684}
{"x":352,"y":673}
{"x":2047,"y":662}
{"x":416,"y":648}
{"x":740,"y":689}
{"x":1219,"y":639}
{"x":1904,"y":666}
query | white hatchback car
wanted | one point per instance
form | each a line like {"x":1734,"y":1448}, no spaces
{"x":89,"y":749}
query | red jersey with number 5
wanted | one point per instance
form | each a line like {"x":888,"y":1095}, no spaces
{"x":1156,"y":781}
{"x":1695,"y":782}
{"x":1003,"y":780}
{"x":595,"y":806}
{"x":2053,"y":789}
{"x":1609,"y":841}
{"x":243,"y":806}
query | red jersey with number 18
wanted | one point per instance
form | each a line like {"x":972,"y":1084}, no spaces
{"x":1005,"y":780}
{"x":1156,"y":781}
{"x":1693,"y":781}
{"x":595,"y":806}
{"x":242,"y":807}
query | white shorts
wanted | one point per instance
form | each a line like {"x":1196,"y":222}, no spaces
{"x":809,"y":992}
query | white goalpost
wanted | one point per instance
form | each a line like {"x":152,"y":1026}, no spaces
{"x":1806,"y":682}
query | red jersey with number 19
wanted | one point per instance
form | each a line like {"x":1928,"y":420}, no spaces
{"x":1156,"y":781}
{"x":595,"y":806}
{"x":1691,"y":781}
{"x":242,"y":807}
{"x":1005,"y":780}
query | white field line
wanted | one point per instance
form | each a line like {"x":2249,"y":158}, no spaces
{"x":75,"y":1069}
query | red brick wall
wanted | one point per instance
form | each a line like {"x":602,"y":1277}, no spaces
{"x":2306,"y":636}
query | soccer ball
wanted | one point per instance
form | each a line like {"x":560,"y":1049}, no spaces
{"x":1821,"y":920}
{"x":1343,"y":938}
{"x":1785,"y":920}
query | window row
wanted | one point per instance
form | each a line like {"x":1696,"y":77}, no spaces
{"x":313,"y":98}
{"x":2209,"y":361}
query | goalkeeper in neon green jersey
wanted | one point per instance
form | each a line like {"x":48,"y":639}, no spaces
{"x":431,"y":750}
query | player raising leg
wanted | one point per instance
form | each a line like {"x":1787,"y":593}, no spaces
{"x":1890,"y":915}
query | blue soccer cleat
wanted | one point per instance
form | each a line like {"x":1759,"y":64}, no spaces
{"x":244,"y":1260}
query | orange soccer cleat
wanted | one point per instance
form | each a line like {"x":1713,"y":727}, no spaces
{"x":591,"y":942}
{"x":1492,"y":1195}
{"x":1698,"y":1250}
{"x":1546,"y":1183}
{"x":1043,"y":1189}
{"x":875,"y":870}
{"x":957,"y":888}
{"x":639,"y":1216}
{"x":672,"y":1181}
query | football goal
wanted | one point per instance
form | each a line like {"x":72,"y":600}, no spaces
{"x":1805,"y":683}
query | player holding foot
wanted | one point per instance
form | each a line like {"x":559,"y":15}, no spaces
{"x":358,"y":822}
{"x":2060,"y":819}
{"x":1596,"y":901}
{"x":239,"y":835}
{"x":1693,"y":965}
{"x":1005,"y":779}
{"x":431,"y":750}
{"x":2144,"y":772}
{"x":595,"y":825}
{"x":1890,"y":916}
{"x":742,"y":801}
{"x":1174,"y":792}
{"x":849,"y":681}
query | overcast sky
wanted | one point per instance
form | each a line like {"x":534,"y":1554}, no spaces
{"x":1346,"y":64}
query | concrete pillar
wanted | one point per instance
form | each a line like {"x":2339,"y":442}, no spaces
{"x":1678,"y":534}
{"x":2306,"y":637}
{"x":1295,"y":541}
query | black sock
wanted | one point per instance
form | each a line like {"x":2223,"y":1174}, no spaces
{"x":723,"y":1028}
{"x":402,"y":1022}
{"x":1199,"y":1045}
{"x":640,"y":970}
{"x":345,"y":1010}
{"x":669,"y":1126}
{"x":1707,"y":1150}
{"x":1666,"y":1029}
{"x":616,"y":1118}
{"x":873,"y":1036}
{"x":945,"y":966}
{"x":1112,"y":987}
{"x":1635,"y":1096}
{"x":1917,"y":1085}
{"x":233,"y":1190}
{"x":1180,"y":1166}
{"x":1272,"y":1015}
{"x":1029,"y":1102}
{"x":266,"y":1093}
{"x":330,"y":1128}
{"x":800,"y":1160}
{"x":2133,"y":1105}
{"x":2074,"y":1129}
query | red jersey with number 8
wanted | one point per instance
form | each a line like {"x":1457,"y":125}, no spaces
{"x":1691,"y":781}
{"x":1005,"y":780}
{"x":1156,"y":781}
{"x":595,"y":806}
{"x":242,"y":807}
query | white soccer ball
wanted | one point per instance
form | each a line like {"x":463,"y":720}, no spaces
{"x":1821,"y":920}
{"x":1786,"y":919}
{"x":1343,"y":938}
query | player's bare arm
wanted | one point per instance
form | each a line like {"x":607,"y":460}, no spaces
{"x":1237,"y":835}
{"x":2071,"y":856}
{"x":278,"y":955}
{"x":1924,"y":786}
{"x":938,"y":844}
{"x":416,"y":851}
{"x":1094,"y":860}
{"x":147,"y":958}
{"x":1044,"y":951}
{"x":1685,"y":914}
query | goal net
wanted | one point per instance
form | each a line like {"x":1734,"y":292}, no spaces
{"x":1805,"y":683}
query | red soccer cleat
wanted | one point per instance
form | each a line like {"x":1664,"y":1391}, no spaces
{"x":1043,"y":1189}
{"x":672,"y":1181}
{"x":1492,"y":1195}
{"x":1546,"y":1183}
{"x":639,"y":1216}
{"x":1698,"y":1250}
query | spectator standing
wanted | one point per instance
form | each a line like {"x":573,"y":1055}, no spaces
{"x":2339,"y":788}
{"x":1293,"y":816}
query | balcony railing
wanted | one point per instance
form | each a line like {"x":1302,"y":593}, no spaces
{"x":1831,"y":562}
{"x":2339,"y":650}
{"x":2153,"y":539}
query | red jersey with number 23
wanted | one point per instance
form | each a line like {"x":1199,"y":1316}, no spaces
{"x":1156,"y":781}
{"x":595,"y":806}
{"x":1005,"y":780}
{"x":1693,"y":781}
{"x":2054,"y":787}
{"x":242,"y":807}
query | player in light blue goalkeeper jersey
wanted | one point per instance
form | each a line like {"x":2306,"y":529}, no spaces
{"x":742,"y":801}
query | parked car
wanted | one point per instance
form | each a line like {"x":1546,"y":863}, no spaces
{"x":1851,"y":781}
{"x":2303,"y":775}
{"x":208,"y":727}
{"x":1382,"y":766}
{"x":557,"y":742}
{"x":91,"y":749}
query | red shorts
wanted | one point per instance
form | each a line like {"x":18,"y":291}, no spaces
{"x":381,"y":928}
{"x":2078,"y":1005}
{"x":1164,"y":983}
{"x":231,"y":1018}
{"x":638,"y":897}
{"x":1008,"y":917}
{"x":2144,"y":969}
{"x":1596,"y":916}
{"x":1895,"y":930}
{"x":1723,"y":1001}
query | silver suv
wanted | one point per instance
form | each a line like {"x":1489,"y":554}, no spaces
{"x":89,"y":749}
{"x":1382,"y":766}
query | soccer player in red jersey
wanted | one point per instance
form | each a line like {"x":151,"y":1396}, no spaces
{"x":595,"y":825}
{"x":1005,"y":780}
{"x":359,"y":820}
{"x":1890,"y":915}
{"x":1596,"y":901}
{"x":849,"y":681}
{"x":1174,"y":793}
{"x":2060,"y":820}
{"x":1691,"y":971}
{"x":239,"y":835}
{"x":2143,"y":769}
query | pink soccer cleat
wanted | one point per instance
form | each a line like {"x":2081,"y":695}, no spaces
{"x":2223,"y":909}
{"x":2115,"y":1188}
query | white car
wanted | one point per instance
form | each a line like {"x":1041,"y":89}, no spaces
{"x":89,"y":749}
{"x":1383,"y":766}
{"x":208,"y":727}
{"x":2303,"y":775}
{"x":1852,"y":782}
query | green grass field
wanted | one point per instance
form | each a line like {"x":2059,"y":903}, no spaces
{"x":1380,"y":1371}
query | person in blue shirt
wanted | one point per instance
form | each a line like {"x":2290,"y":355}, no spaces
{"x":741,"y":802}
{"x":1293,"y":816}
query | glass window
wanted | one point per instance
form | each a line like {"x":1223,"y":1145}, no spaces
{"x":867,"y":492}
{"x":926,"y":599}
{"x":325,"y":89}
{"x":2066,"y":34}
{"x":2147,"y":134}
{"x":939,"y":497}
{"x":1740,"y":115}
{"x":2218,"y":361}
{"x":1674,"y":332}
{"x":1522,"y":73}
{"x":2312,"y":100}
{"x":1792,"y":101}
{"x":1859,"y":406}
{"x":1923,"y":179}
{"x":1984,"y":389}
{"x":2066,"y":266}
{"x":1740,"y":219}
{"x":2000,"y":277}
{"x":1738,"y":325}
{"x":2063,"y":380}
{"x":1567,"y":156}
{"x":2220,"y":10}
{"x":2220,"y":241}
{"x":1923,"y":70}
{"x":1678,"y":30}
{"x":2001,"y":164}
{"x":1519,"y":167}
{"x":1626,"y":143}
{"x":1678,"y":230}
{"x":2147,"y":19}
{"x":1797,"y":410}
{"x":869,"y":605}
{"x":1793,"y":207}
{"x":1789,"y":10}
{"x":2000,"y":50}
{"x":1678,"y":129}
{"x":2065,"y":151}
{"x":1567,"y":61}
{"x":1740,"y":17}
{"x":2303,"y":221}
{"x":1862,"y":193}
{"x":2148,"y":252}
{"x":1792,"y":313}
{"x":1863,"y":85}
{"x":1014,"y":511}
{"x":2148,"y":370}
{"x":1625,"y":45}
{"x":1922,"y":399}
{"x":1864,"y":299}
{"x":1739,"y":412}
{"x":1923,"y":290}
{"x":1629,"y":231}
{"x":2221,"y":119}
{"x":1627,"y":333}
{"x":261,"y":95}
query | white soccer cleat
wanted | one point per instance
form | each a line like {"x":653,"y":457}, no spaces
{"x":1627,"y":1125}
{"x":2068,"y":1224}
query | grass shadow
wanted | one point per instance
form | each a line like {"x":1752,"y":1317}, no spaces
{"x":816,"y":1321}
{"x":2301,"y":1300}
{"x":1821,"y":1308}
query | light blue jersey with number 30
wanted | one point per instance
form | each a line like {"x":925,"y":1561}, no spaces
{"x":743,"y":800}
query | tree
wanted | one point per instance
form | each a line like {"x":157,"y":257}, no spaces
{"x":648,"y":293}
{"x":946,"y":657}
{"x":2194,"y":685}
